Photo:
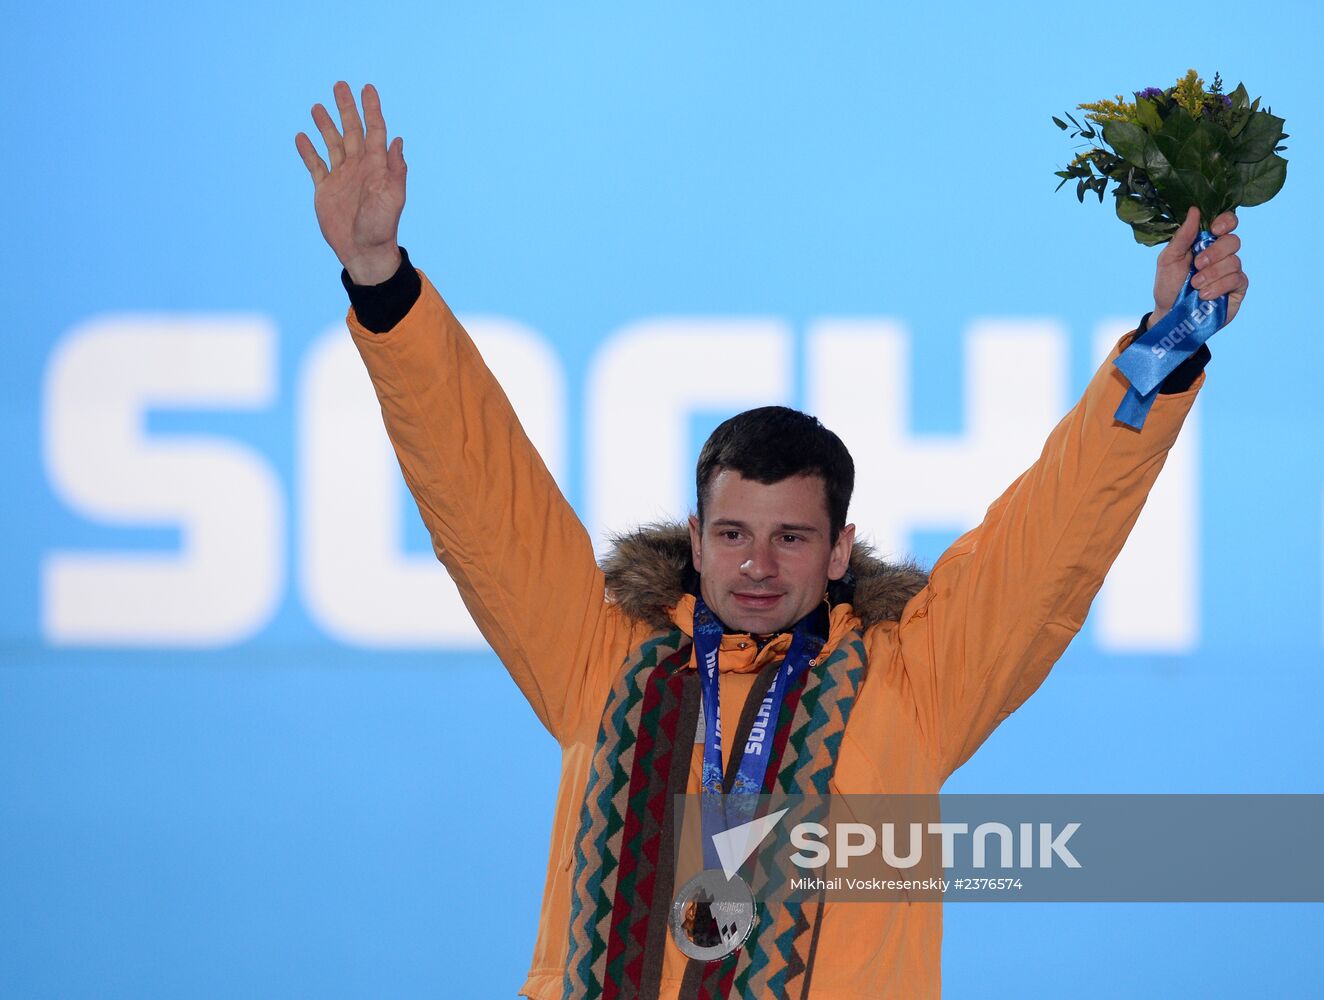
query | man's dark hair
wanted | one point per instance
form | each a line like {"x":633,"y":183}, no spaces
{"x":773,"y":443}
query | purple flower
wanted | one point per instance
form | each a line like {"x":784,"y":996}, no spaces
{"x":1227,"y":101}
{"x":1150,"y":92}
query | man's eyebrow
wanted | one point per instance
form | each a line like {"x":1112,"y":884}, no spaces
{"x":731,"y":522}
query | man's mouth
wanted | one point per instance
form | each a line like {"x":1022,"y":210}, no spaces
{"x":756,"y":601}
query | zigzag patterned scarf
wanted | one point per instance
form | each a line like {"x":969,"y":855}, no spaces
{"x":623,"y":878}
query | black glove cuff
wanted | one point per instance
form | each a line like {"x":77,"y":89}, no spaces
{"x":381,"y":307}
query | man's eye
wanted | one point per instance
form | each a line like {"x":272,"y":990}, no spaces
{"x":788,"y":539}
{"x":731,"y":535}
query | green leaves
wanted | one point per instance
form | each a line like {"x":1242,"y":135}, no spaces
{"x":1143,"y":219}
{"x":1147,"y":113}
{"x":1152,"y":234}
{"x":1138,"y":148}
{"x":1168,"y":153}
{"x":1258,"y":182}
{"x":1200,"y":173}
{"x":1258,"y":138}
{"x":1133,"y":210}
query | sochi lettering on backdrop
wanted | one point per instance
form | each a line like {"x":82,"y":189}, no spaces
{"x":355,"y":580}
{"x":227,"y":578}
{"x":361,"y":588}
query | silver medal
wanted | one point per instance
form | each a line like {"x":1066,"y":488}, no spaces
{"x":712,"y":915}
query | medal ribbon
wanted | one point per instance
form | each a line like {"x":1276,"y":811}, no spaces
{"x":719,"y":812}
{"x":1153,"y":355}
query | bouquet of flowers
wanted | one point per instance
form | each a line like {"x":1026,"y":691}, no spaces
{"x":1170,"y":149}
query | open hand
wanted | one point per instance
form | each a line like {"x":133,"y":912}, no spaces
{"x":360,"y":198}
{"x":1218,"y":269}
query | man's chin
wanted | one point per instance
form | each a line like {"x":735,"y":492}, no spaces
{"x":769,"y":622}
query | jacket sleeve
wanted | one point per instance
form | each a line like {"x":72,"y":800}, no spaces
{"x":521,"y":559}
{"x":1005,"y":599}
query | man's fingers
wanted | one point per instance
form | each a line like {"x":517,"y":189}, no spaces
{"x":349,"y":119}
{"x":1190,"y":226}
{"x":372,"y":113}
{"x":1179,"y":247}
{"x":395,"y":157}
{"x":335,"y":149}
{"x":1225,"y":223}
{"x":1235,"y":284}
{"x":1221,"y":248}
{"x":316,"y":168}
{"x":1213,"y":278}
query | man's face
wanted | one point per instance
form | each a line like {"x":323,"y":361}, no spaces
{"x":765,"y":553}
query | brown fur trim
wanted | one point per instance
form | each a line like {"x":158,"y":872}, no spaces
{"x":646,"y":572}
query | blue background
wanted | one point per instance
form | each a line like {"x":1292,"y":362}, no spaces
{"x":288,"y":817}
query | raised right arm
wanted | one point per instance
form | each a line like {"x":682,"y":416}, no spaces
{"x":520,"y":557}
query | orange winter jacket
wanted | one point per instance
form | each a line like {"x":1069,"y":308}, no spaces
{"x":949,"y":658}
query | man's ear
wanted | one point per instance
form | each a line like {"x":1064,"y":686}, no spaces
{"x":839,"y":561}
{"x":696,"y":551}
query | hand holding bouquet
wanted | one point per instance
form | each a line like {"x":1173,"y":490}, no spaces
{"x":1183,"y":159}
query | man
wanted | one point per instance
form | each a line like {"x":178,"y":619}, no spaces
{"x":901,"y":676}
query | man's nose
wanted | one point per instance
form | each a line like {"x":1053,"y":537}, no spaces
{"x":761,"y":564}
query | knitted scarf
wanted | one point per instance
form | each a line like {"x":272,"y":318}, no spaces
{"x":623,"y":867}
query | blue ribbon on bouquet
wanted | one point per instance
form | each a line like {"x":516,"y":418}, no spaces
{"x":1153,"y":355}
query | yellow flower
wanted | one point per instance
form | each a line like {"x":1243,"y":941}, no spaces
{"x":1120,"y":110}
{"x":1189,"y":93}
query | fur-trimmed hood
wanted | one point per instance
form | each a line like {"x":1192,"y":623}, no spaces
{"x":648,"y":570}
